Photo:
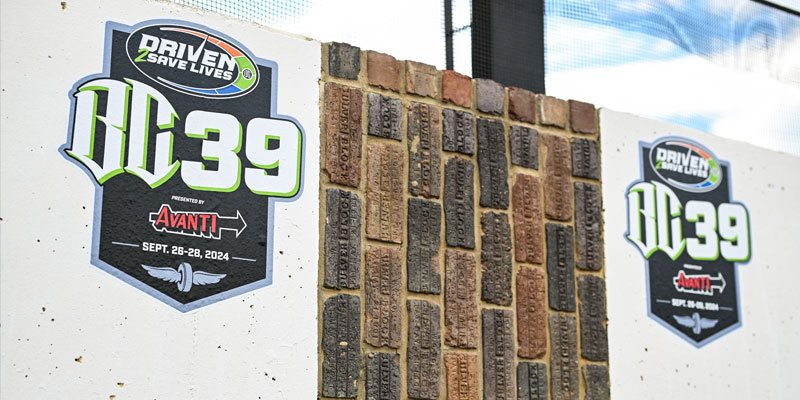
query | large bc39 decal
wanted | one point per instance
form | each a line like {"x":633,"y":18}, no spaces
{"x":180,"y":136}
{"x":682,"y":219}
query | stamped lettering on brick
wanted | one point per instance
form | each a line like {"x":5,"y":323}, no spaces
{"x":424,"y":349}
{"x":383,"y":376}
{"x":342,"y":240}
{"x":458,"y":131}
{"x":459,"y":203}
{"x":563,"y":357}
{"x":343,"y":134}
{"x":341,"y":346}
{"x":496,"y":259}
{"x":594,"y":336}
{"x":532,"y":381}
{"x":560,"y":267}
{"x":498,"y":354}
{"x":460,"y":305}
{"x":558,"y":189}
{"x":385,"y":192}
{"x":595,"y":378}
{"x":424,"y":150}
{"x":584,"y":159}
{"x":524,"y":143}
{"x":531,"y":315}
{"x":588,"y":224}
{"x":383,"y":288}
{"x":424,"y":225}
{"x":462,"y":376}
{"x":384,"y":116}
{"x":492,"y":163}
{"x":526,"y":204}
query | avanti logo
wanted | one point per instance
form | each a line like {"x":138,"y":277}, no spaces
{"x":192,"y":61}
{"x":685,"y":165}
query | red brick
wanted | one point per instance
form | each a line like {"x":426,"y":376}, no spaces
{"x":383,"y":287}
{"x":422,"y":79}
{"x":456,"y":88}
{"x":521,"y":105}
{"x":531,"y":312}
{"x":343,"y":134}
{"x":462,"y":376}
{"x":582,"y":117}
{"x":527,"y":210}
{"x":383,"y":71}
{"x":385,"y":192}
{"x":460,"y":304}
{"x":557,"y":186}
{"x":552,"y":111}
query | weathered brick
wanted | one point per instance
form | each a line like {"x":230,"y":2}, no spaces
{"x":460,"y":305}
{"x":531,"y":315}
{"x":496,"y":259}
{"x":560,"y":267}
{"x":521,"y":105}
{"x":585,"y":163}
{"x":462,"y":376}
{"x":492,"y":163}
{"x":343,"y":134}
{"x":424,"y":225}
{"x":498,"y":354}
{"x":383,"y":71}
{"x":582,"y":117}
{"x":422,"y":79}
{"x":342,"y":240}
{"x":563,"y":357}
{"x":456,"y":88}
{"x":588,"y":225}
{"x":383,"y":376}
{"x":384,"y":117}
{"x":459,"y":132}
{"x":344,"y":60}
{"x":557,"y":187}
{"x":532,"y":381}
{"x":383,"y":287}
{"x":424,"y":349}
{"x":385,"y":192}
{"x":594,"y":336}
{"x":524,"y":146}
{"x":341,"y":346}
{"x":526,"y":204}
{"x":424,"y":150}
{"x":459,"y":203}
{"x":490,"y":96}
{"x":595,"y":380}
{"x":552,"y":111}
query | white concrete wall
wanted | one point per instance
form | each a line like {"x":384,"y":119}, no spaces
{"x":72,"y":331}
{"x":759,"y":359}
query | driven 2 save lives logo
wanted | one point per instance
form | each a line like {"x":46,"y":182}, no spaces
{"x":683,"y":220}
{"x":188,"y":156}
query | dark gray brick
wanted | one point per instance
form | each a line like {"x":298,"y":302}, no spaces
{"x":524,"y":143}
{"x":595,"y":379}
{"x":383,"y":376}
{"x":532,"y":381}
{"x":594,"y":336}
{"x":424,"y":225}
{"x":424,"y":349}
{"x":459,"y":133}
{"x":560,"y":267}
{"x":498,"y":354}
{"x":492,"y":164}
{"x":584,"y":159}
{"x":342,"y":240}
{"x":344,"y":60}
{"x":341,"y":346}
{"x":588,"y":225}
{"x":563,"y":357}
{"x":459,"y":203}
{"x":424,"y":150}
{"x":491,"y":96}
{"x":496,"y":259}
{"x":385,"y":116}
